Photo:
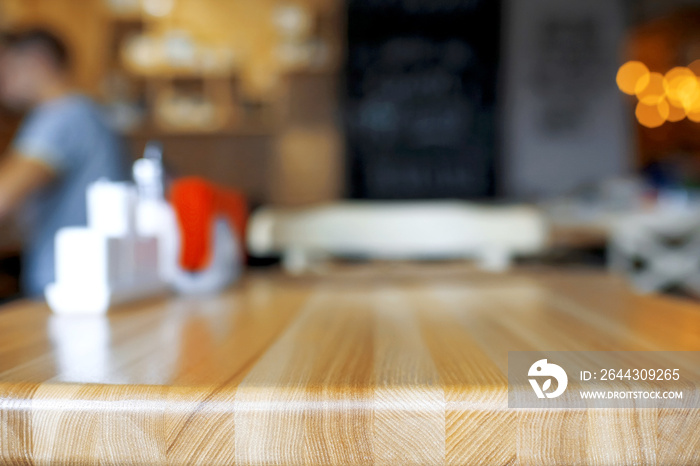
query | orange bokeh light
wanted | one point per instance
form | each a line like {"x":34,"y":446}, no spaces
{"x":694,"y":116}
{"x":676,"y":113}
{"x":652,"y":115}
{"x":661,"y":98}
{"x":679,"y":84}
{"x":654,"y":92}
{"x":632,"y":77}
{"x":691,"y":101}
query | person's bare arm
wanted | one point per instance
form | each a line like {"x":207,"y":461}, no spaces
{"x":20,"y":177}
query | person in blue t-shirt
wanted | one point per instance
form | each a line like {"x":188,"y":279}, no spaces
{"x":63,"y":145}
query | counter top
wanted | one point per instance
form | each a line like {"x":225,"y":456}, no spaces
{"x":365,"y":366}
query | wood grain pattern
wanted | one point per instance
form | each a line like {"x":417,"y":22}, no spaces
{"x":366,"y":366}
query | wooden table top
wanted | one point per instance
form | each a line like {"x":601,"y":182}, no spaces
{"x":367,"y":367}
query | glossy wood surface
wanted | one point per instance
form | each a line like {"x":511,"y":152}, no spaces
{"x":365,"y":366}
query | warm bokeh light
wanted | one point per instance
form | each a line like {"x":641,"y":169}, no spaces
{"x":632,"y":77}
{"x":679,"y":85}
{"x":652,"y":115}
{"x":671,"y":97}
{"x":694,"y":116}
{"x":676,"y":112}
{"x":691,"y":100}
{"x":654,"y":92}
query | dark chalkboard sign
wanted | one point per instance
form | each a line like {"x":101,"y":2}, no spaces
{"x":421,"y":90}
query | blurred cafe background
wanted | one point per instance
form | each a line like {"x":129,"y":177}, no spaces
{"x":587,"y":111}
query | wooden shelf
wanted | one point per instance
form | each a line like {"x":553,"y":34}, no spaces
{"x":136,"y":18}
{"x":182,"y":74}
{"x":235,"y":131}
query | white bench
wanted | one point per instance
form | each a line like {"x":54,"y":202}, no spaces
{"x":397,"y":231}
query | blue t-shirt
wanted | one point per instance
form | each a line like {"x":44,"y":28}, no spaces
{"x":71,"y":135}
